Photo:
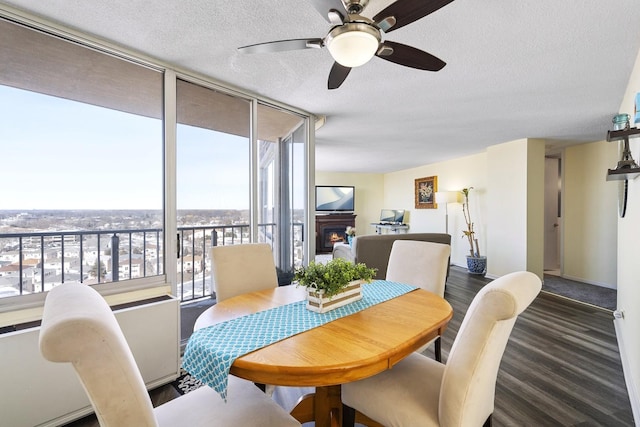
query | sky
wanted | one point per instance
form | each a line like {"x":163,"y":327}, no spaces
{"x":62,"y":154}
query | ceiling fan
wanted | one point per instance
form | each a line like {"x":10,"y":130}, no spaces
{"x":354,"y":39}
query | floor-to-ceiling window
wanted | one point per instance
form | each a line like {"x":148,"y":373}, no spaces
{"x":87,"y":149}
{"x":81,"y":170}
{"x":277,"y":164}
{"x":212,"y":179}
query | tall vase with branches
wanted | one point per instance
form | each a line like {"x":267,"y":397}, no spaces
{"x":469,"y":233}
{"x":476,"y":263}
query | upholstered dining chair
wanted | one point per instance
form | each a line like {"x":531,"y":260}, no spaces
{"x":79,"y":327}
{"x":239,"y":269}
{"x":419,"y":391}
{"x":421,"y":264}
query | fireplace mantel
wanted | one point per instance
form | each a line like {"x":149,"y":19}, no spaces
{"x":330,"y":229}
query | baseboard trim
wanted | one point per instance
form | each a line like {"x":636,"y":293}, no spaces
{"x":574,"y":301}
{"x":634,"y":398}
{"x":588,"y":282}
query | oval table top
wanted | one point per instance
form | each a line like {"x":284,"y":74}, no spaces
{"x":344,"y":350}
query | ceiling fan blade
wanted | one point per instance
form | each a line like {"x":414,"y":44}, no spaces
{"x":324,"y":6}
{"x":282,"y":45}
{"x":337,"y":75}
{"x":407,"y":11}
{"x":335,"y":17}
{"x":409,"y":56}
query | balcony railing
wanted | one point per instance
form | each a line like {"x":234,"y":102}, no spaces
{"x":36,"y":262}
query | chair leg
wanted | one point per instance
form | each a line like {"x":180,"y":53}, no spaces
{"x":267,"y":389}
{"x":438,"y":349}
{"x":488,"y":422}
{"x":348,"y":416}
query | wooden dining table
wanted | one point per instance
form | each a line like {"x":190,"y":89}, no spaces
{"x":347,"y":349}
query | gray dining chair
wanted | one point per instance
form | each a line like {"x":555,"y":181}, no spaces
{"x":421,"y":264}
{"x":418,"y":391}
{"x":79,"y":327}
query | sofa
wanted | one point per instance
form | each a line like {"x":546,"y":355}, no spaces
{"x":374,"y":249}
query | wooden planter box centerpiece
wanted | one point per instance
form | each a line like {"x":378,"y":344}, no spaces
{"x":316,"y":301}
{"x":333,"y":284}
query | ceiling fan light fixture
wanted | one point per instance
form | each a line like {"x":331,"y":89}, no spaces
{"x":353,"y":44}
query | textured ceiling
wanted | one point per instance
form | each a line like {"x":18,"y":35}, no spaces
{"x":547,"y":69}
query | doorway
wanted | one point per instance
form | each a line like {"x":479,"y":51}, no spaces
{"x":553,"y":215}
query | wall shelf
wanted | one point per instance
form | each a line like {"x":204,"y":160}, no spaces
{"x":620,"y":135}
{"x":627,"y":168}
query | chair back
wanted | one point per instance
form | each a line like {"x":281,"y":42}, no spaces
{"x":79,"y":327}
{"x":239,"y":269}
{"x":422,"y":264}
{"x":469,"y":380}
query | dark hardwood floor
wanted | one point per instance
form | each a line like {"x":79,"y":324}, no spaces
{"x":561,"y":366}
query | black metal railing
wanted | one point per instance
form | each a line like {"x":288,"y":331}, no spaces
{"x":35,"y":262}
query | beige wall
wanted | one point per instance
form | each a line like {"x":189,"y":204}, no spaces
{"x":535,"y":206}
{"x":628,"y":272}
{"x":515,"y":207}
{"x":507,"y":207}
{"x":369,"y":195}
{"x":452,"y":175}
{"x":590,"y":214}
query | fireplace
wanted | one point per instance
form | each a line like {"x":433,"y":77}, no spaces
{"x":333,"y":235}
{"x":330,"y":229}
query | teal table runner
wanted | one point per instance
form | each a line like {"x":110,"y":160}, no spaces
{"x":212,"y":350}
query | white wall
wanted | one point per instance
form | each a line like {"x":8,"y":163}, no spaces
{"x":628,"y":328}
{"x":369,"y":195}
{"x":38,"y":392}
{"x":590,"y":214}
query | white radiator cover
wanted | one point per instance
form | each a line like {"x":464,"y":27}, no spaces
{"x":36,"y":392}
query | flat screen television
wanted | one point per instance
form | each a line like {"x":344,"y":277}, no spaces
{"x":334,"y":198}
{"x":392,"y":216}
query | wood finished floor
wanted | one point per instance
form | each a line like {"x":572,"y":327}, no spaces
{"x":561,"y":366}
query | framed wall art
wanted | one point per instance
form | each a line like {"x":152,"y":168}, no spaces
{"x":425,"y":191}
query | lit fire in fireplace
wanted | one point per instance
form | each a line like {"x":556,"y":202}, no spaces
{"x":335,"y":238}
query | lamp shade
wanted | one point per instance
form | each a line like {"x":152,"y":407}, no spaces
{"x":353,"y":45}
{"x":447,"y":197}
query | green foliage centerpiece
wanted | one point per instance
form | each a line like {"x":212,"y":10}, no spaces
{"x":333,"y":284}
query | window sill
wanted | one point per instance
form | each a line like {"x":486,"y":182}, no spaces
{"x":28,"y":316}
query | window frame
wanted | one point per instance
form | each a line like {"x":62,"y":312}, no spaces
{"x":171,"y":74}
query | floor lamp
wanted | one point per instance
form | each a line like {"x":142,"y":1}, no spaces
{"x":446,"y":197}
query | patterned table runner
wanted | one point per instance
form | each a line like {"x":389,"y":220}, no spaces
{"x":212,"y":350}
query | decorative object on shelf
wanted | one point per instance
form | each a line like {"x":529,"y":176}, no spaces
{"x":425,"y":190}
{"x":476,"y":263}
{"x":351,"y":233}
{"x":627,"y":168}
{"x":444,"y":198}
{"x":333,"y":284}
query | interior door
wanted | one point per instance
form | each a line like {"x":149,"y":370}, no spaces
{"x":552,"y":215}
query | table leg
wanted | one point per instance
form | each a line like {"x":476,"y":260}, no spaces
{"x":324,"y":407}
